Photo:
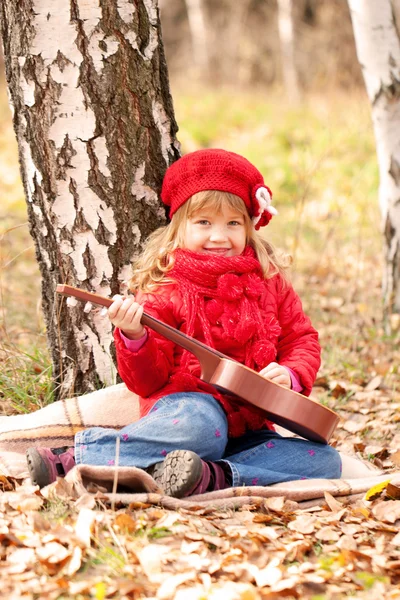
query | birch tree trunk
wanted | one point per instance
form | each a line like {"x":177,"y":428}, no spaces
{"x":286,"y":37}
{"x":95,"y":128}
{"x":378,"y":51}
{"x":198,"y":32}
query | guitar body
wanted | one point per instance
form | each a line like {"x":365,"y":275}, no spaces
{"x":297,"y":413}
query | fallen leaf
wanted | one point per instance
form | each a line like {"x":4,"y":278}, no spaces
{"x":395,"y":458}
{"x":387,"y":511}
{"x":85,"y":501}
{"x":374,"y":384}
{"x":151,"y":559}
{"x":21,"y":559}
{"x":25,"y":504}
{"x":125,"y":522}
{"x":5,"y":484}
{"x":275,"y":503}
{"x":168,"y":587}
{"x":83,"y":526}
{"x":270,"y":575}
{"x":360,"y":447}
{"x":52,"y":553}
{"x":303,"y":524}
{"x":393,"y":491}
{"x":261,"y":518}
{"x":354,"y":426}
{"x":396,"y":540}
{"x":376,"y":490}
{"x":75,"y":562}
{"x":327,"y":534}
{"x":338,"y":391}
{"x":333,"y":504}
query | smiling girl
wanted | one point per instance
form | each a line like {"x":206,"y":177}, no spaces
{"x":209,"y":274}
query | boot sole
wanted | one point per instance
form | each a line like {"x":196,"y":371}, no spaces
{"x":38,"y":470}
{"x":179,"y":473}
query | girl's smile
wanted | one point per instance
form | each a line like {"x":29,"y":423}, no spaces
{"x":220,"y":234}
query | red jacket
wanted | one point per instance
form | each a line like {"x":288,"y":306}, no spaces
{"x":148,"y":371}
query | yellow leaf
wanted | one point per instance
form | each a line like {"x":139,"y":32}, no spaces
{"x":376,"y":490}
{"x":362,"y":308}
{"x":100,"y":590}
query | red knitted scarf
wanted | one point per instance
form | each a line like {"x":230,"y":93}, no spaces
{"x":226,"y":291}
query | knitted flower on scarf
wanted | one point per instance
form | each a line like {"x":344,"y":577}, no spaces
{"x":226,"y":291}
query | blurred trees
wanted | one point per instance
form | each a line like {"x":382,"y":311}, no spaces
{"x":95,"y":128}
{"x":243,"y":42}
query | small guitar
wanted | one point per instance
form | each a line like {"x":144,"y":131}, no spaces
{"x":299,"y":414}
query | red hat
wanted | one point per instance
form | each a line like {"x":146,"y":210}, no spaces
{"x":215,"y":169}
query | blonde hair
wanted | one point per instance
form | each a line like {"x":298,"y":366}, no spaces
{"x":151,"y":268}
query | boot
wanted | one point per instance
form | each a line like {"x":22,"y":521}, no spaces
{"x":46,"y":464}
{"x":183,"y":473}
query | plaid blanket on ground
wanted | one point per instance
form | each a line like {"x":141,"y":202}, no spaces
{"x":115,"y":406}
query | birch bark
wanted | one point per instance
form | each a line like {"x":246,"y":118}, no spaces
{"x":378,"y":51}
{"x":198,"y":31}
{"x":95,"y":127}
{"x":286,"y":36}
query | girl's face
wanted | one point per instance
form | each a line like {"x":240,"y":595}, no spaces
{"x":220,"y":233}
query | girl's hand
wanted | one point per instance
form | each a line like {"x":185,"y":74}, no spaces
{"x":277,"y":374}
{"x":125,"y":313}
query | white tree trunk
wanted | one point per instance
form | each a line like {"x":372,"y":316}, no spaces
{"x":95,"y":128}
{"x":286,"y":37}
{"x":198,"y":32}
{"x":378,"y":51}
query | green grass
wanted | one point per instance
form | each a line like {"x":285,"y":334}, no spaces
{"x":25,"y":379}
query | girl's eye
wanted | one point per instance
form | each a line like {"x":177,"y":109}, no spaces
{"x":202,"y":222}
{"x":234,"y":223}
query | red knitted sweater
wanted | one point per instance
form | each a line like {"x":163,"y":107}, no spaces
{"x":253,"y":320}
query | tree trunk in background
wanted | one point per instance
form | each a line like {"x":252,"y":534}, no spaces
{"x":378,"y":50}
{"x":286,"y":37}
{"x":198,"y":32}
{"x":95,"y":127}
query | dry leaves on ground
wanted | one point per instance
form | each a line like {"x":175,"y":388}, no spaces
{"x":61,"y":549}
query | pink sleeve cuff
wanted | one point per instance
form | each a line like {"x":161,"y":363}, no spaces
{"x":133,"y":345}
{"x":296,"y":385}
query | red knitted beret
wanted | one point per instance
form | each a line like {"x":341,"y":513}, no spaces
{"x":215,"y":169}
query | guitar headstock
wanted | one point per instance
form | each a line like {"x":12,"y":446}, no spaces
{"x":83,"y":295}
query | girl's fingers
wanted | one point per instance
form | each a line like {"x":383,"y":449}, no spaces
{"x":268,"y":370}
{"x":131,"y":313}
{"x":115,"y":306}
{"x":138,"y":315}
{"x":131,"y":324}
{"x":270,"y":367}
{"x":119,"y":307}
{"x":277,"y":374}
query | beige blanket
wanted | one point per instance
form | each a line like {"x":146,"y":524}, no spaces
{"x":56,"y":424}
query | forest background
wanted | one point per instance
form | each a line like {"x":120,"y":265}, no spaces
{"x":315,"y":147}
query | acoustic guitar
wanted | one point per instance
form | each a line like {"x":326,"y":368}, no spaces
{"x":297,"y":413}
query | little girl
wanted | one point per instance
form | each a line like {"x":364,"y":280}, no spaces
{"x":209,"y":274}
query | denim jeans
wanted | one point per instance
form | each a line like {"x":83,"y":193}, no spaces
{"x":197,"y":422}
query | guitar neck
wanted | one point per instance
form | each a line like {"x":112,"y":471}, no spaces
{"x":200,"y":350}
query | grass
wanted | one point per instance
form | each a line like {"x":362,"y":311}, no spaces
{"x":318,"y":158}
{"x":25,"y":379}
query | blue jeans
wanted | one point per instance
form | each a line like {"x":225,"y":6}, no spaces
{"x":197,"y":422}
